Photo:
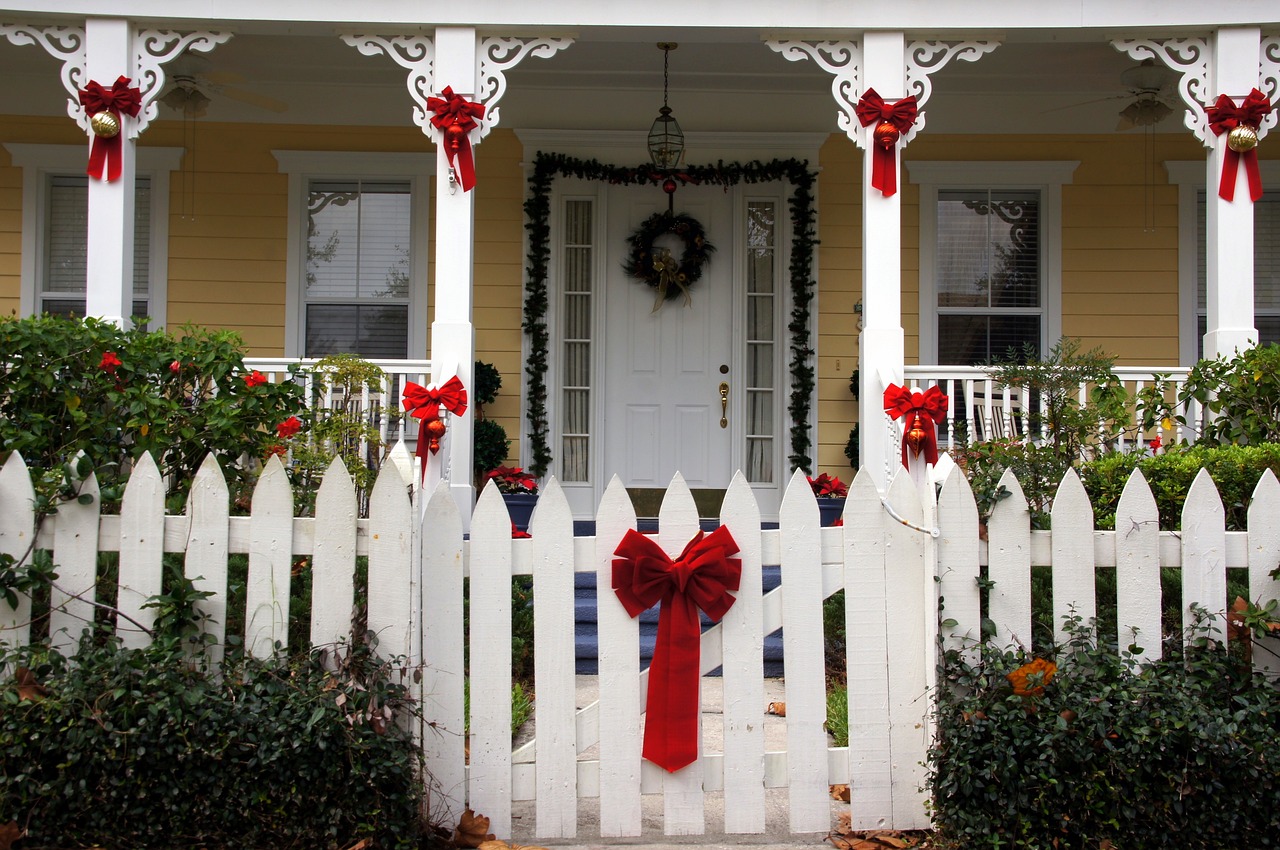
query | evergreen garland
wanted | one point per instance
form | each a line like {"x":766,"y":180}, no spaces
{"x":548,"y":166}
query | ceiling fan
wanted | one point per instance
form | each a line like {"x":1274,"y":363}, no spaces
{"x":191,"y":81}
{"x":1151,"y":86}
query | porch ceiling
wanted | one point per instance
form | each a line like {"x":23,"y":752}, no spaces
{"x":611,"y":79}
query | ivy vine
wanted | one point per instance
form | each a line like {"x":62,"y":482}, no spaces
{"x":548,"y":166}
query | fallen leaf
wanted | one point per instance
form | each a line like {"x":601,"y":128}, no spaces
{"x":1029,"y":679}
{"x":778,"y":708}
{"x":361,"y":844}
{"x":472,"y":830}
{"x":28,"y":687}
{"x":840,"y":792}
{"x":494,"y":845}
{"x":9,"y":833}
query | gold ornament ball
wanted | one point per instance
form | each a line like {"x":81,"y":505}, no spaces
{"x":1242,"y":138}
{"x":105,"y":124}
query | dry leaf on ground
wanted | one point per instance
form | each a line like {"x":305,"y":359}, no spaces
{"x":472,"y":830}
{"x":9,"y":833}
{"x":778,"y":708}
{"x":28,"y":687}
{"x":840,"y":792}
{"x":362,"y":844}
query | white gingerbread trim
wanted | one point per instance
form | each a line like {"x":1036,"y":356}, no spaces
{"x":152,"y":50}
{"x":65,"y":44}
{"x":924,"y":58}
{"x":495,"y":58}
{"x":414,"y":53}
{"x":841,"y":59}
{"x":1269,"y":79}
{"x":1190,"y":58}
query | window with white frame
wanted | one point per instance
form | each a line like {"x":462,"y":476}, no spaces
{"x":761,"y":342}
{"x":990,"y":258}
{"x":55,"y":229}
{"x":577,"y":276}
{"x":1266,"y":270}
{"x":357,"y":259}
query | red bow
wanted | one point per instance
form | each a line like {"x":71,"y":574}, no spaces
{"x":455,"y":117}
{"x":425,"y":402}
{"x":700,"y":578}
{"x":106,"y":150}
{"x":1225,"y":116}
{"x":891,"y":120}
{"x":930,"y":405}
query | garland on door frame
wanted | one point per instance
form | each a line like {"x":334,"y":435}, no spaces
{"x":537,"y":209}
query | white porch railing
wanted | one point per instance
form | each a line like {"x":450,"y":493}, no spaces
{"x":991,"y":411}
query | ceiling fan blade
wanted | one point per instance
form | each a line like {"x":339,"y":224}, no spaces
{"x":1085,"y":103}
{"x":224,"y":78}
{"x":261,"y":101}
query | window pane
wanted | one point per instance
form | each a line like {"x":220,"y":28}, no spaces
{"x":760,"y":365}
{"x":577,"y":253}
{"x":66,"y":248}
{"x":759,"y":317}
{"x":358,"y":236}
{"x":988,"y":252}
{"x":969,"y":340}
{"x":376,"y":332}
{"x":1266,"y":268}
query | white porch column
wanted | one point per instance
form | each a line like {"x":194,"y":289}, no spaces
{"x":1229,"y":224}
{"x":881,"y":345}
{"x":109,"y":279}
{"x":453,"y":340}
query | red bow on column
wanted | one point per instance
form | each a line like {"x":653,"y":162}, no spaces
{"x":930,"y":407}
{"x":455,"y":117}
{"x":1225,"y":116}
{"x":699,"y":579}
{"x":106,"y":144}
{"x":891,"y":120}
{"x":425,"y":403}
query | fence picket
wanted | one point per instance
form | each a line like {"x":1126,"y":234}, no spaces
{"x":391,"y":614}
{"x":1009,"y":565}
{"x":1138,"y":568}
{"x":618,"y":654}
{"x":141,"y":551}
{"x":75,"y":551}
{"x":489,"y":779}
{"x":443,"y":739}
{"x":803,"y":654}
{"x":17,"y":534}
{"x":208,"y":510}
{"x":866,"y":610}
{"x":556,"y":753}
{"x":958,"y":567}
{"x":332,"y":579}
{"x":909,"y":584}
{"x":683,"y":800}
{"x":1204,"y":545}
{"x":266,"y":616}
{"x":1264,"y":554}
{"x":743,"y":670}
{"x":1073,"y":559}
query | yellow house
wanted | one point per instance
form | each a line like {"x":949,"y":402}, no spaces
{"x":1059,"y":174}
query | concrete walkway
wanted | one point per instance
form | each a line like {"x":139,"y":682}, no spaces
{"x":777,"y":835}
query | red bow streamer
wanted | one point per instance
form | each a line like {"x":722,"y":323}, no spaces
{"x":930,"y":405}
{"x":891,"y":120}
{"x":455,"y":117}
{"x":699,"y":579}
{"x":1225,"y":116}
{"x":105,"y":151}
{"x":425,"y":403}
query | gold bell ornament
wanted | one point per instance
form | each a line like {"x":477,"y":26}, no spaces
{"x":105,"y":124}
{"x":435,"y":430}
{"x":915,"y":435}
{"x":1243,"y":138}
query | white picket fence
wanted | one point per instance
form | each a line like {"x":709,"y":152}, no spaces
{"x":415,"y":604}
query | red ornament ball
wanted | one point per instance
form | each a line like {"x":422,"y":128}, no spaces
{"x":886,"y":135}
{"x":669,"y":186}
{"x":454,"y":138}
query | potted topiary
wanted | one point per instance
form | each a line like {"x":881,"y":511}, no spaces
{"x":831,"y":493}
{"x":519,"y":490}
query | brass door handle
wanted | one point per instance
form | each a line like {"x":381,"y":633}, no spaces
{"x":724,"y":404}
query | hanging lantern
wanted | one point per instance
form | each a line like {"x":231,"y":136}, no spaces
{"x":435,"y":430}
{"x":915,"y":435}
{"x":105,"y":125}
{"x":1242,"y":138}
{"x":666,"y":139}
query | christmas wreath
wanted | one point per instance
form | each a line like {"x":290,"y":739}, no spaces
{"x":657,"y":266}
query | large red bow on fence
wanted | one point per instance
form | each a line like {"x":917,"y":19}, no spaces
{"x":106,"y":150}
{"x":891,"y":120}
{"x":455,"y":117}
{"x":1225,"y":116}
{"x":930,"y":406}
{"x":699,"y":579}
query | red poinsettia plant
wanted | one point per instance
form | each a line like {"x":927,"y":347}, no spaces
{"x":828,"y":487}
{"x":512,"y":479}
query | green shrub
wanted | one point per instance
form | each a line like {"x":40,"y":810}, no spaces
{"x":1241,"y":393}
{"x":838,"y":715}
{"x":1178,"y":753}
{"x":491,"y":446}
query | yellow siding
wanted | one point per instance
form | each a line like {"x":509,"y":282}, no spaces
{"x":10,"y":234}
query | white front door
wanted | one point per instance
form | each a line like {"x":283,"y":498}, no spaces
{"x":668,"y":392}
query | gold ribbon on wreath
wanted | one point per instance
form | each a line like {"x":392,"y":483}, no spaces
{"x":668,"y":269}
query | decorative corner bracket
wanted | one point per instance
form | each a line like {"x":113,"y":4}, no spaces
{"x":1269,"y":79}
{"x":925,"y":58}
{"x":414,"y":53}
{"x":155,"y":48}
{"x":66,"y":44}
{"x":841,"y":59}
{"x":1190,"y":58}
{"x":497,"y":56}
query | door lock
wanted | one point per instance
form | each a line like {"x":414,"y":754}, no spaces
{"x":724,"y":404}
